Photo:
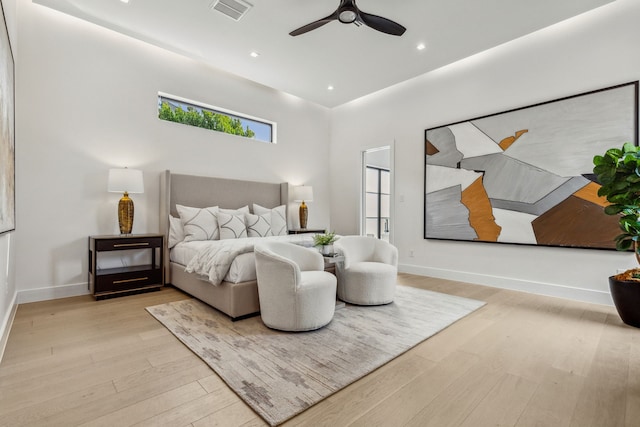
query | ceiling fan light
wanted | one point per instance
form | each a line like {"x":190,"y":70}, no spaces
{"x":347,"y":16}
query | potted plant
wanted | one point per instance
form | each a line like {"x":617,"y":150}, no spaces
{"x":325,"y":241}
{"x":618,"y":171}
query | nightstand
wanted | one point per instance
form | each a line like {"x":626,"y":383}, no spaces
{"x":111,"y":282}
{"x":306,"y":230}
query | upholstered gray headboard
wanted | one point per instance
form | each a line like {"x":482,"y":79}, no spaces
{"x":203,"y":191}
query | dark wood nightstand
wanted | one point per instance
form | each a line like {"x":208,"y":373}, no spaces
{"x":306,"y":230}
{"x":111,"y":282}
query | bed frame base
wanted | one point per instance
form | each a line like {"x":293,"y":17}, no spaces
{"x":237,"y":300}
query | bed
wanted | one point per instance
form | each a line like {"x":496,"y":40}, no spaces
{"x":233,"y":295}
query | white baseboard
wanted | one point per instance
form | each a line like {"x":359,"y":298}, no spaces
{"x":548,"y":289}
{"x":54,"y":292}
{"x":5,"y":327}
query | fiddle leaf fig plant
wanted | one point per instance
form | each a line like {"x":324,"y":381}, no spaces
{"x":618,"y":171}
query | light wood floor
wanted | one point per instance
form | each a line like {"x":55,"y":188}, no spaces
{"x":522,"y":360}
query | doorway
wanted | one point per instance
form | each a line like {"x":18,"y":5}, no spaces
{"x":377,"y":194}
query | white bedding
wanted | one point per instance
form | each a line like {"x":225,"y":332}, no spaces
{"x":241,"y":269}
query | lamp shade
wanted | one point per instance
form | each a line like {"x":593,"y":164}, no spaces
{"x":303,"y":193}
{"x":125,"y":180}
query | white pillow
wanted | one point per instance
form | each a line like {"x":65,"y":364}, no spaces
{"x":176,"y":231}
{"x":258,"y":225}
{"x":231,"y":226}
{"x":278,"y":218}
{"x":199,"y":224}
{"x":242,"y":210}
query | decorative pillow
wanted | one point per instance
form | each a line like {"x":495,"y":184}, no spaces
{"x":199,"y":224}
{"x":231,"y":226}
{"x":242,"y":210}
{"x":278,"y":218}
{"x":176,"y":231}
{"x":258,"y":225}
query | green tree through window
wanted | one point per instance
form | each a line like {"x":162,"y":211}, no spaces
{"x":181,"y":112}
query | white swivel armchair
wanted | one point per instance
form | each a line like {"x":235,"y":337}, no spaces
{"x":295,"y":292}
{"x":369,"y":271}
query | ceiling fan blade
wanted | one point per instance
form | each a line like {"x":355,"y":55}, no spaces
{"x":316,"y":24}
{"x":382,"y":24}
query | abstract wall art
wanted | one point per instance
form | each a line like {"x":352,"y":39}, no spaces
{"x":525,"y":176}
{"x":7,"y":139}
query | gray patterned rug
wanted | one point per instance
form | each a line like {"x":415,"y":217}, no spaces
{"x":280,"y":374}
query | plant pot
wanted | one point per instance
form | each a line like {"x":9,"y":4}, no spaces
{"x":327,"y":249}
{"x":626,"y":297}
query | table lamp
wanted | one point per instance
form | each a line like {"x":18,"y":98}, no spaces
{"x":125,"y":181}
{"x":300,"y":194}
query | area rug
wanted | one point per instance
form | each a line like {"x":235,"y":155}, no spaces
{"x":280,"y":374}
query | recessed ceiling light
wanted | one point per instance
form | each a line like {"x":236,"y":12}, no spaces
{"x":421,"y":46}
{"x":329,"y":87}
{"x":254,"y":54}
{"x":124,"y":1}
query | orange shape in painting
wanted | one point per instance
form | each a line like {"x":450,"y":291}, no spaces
{"x":430,"y":149}
{"x":508,"y":141}
{"x":590,"y":193}
{"x":481,"y":217}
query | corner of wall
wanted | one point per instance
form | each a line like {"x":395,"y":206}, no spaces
{"x":7,"y":322}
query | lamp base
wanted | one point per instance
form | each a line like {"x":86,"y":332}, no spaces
{"x":125,"y":214}
{"x":304,"y":214}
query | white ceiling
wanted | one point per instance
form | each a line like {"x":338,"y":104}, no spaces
{"x":355,"y":60}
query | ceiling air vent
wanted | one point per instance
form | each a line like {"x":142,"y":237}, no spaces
{"x":234,"y":9}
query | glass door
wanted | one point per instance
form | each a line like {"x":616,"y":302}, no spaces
{"x":377,"y":206}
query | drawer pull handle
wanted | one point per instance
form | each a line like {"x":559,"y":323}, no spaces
{"x":121,"y":245}
{"x":130,"y":280}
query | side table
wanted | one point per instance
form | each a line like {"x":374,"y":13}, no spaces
{"x":111,"y":282}
{"x":330,"y":262}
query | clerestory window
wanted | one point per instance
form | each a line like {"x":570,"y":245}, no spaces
{"x":175,"y":109}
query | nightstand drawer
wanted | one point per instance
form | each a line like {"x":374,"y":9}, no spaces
{"x":119,"y":282}
{"x":129,"y":243}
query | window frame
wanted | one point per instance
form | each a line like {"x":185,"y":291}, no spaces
{"x":220,"y":110}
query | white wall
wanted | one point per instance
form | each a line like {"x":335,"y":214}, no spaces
{"x":7,"y":251}
{"x":88,"y":103}
{"x":591,"y":51}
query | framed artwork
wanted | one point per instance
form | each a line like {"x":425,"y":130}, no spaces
{"x":7,"y":132}
{"x":525,"y":176}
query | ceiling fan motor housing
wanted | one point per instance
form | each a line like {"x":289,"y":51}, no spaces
{"x":347,"y":16}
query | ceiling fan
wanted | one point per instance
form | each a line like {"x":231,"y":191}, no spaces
{"x":348,"y":13}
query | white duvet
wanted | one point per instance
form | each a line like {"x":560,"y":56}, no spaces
{"x":213,"y":259}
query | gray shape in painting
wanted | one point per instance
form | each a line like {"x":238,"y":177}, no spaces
{"x":564,"y":135}
{"x":551,"y":200}
{"x":509,"y":179}
{"x":446,"y":216}
{"x":445,"y":141}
